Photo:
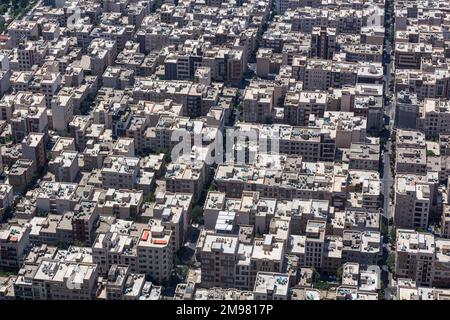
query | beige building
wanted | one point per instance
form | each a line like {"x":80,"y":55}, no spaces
{"x":258,"y":104}
{"x":65,"y":166}
{"x":300,"y":105}
{"x":33,"y":148}
{"x":364,"y":156}
{"x":120,"y":203}
{"x":314,"y":243}
{"x":414,"y":256}
{"x":411,"y":161}
{"x":6,"y":198}
{"x":435,"y":118}
{"x":25,"y":121}
{"x":62,"y":112}
{"x":218,"y":255}
{"x":56,"y":197}
{"x":185,"y":177}
{"x":63,"y":280}
{"x":445,"y":221}
{"x":120,"y":172}
{"x":271,"y":286}
{"x":174,"y":211}
{"x":14,"y":241}
{"x":155,"y":253}
{"x":412,"y":202}
{"x":21,"y":174}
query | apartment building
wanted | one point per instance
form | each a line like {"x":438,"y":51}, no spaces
{"x":123,"y":285}
{"x":174,"y":211}
{"x":84,"y":222}
{"x":271,"y":286}
{"x":65,"y":166}
{"x":155,"y":253}
{"x":21,"y":174}
{"x":434,"y":118}
{"x":258,"y":105}
{"x":120,"y":172}
{"x":412,"y":202}
{"x":6,"y":198}
{"x":314,"y":243}
{"x":114,"y":248}
{"x":33,"y":148}
{"x":185,"y":177}
{"x":300,"y":106}
{"x":266,"y":255}
{"x":62,"y":280}
{"x":62,"y":112}
{"x":411,"y":161}
{"x":26,"y":121}
{"x":14,"y":241}
{"x":218,"y":257}
{"x":56,"y":197}
{"x":120,"y":203}
{"x":414,"y":256}
{"x":363,"y":247}
{"x":364,"y":156}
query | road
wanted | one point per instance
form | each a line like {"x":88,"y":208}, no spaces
{"x":389,"y":115}
{"x":387,"y":180}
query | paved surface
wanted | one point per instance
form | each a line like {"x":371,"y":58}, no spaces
{"x":389,"y":113}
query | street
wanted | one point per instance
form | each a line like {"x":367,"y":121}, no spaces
{"x":389,"y":114}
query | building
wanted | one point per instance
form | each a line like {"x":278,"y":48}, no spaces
{"x":271,"y":286}
{"x":14,"y":241}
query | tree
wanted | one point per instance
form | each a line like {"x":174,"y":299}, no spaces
{"x":390,"y":262}
{"x":212,"y":187}
{"x":339,"y":273}
{"x":150,"y":197}
{"x":322,"y":285}
{"x":316,"y":275}
{"x":167,"y":155}
{"x":181,"y":271}
{"x":268,"y":120}
{"x":430,"y":153}
{"x":78,"y":243}
{"x":197,"y":214}
{"x":392,"y":236}
{"x":41,"y":214}
{"x":317,"y":283}
{"x":4,"y":273}
{"x":381,"y":292}
{"x":385,"y":231}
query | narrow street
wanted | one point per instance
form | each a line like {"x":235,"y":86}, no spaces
{"x":389,"y":112}
{"x":389,"y":123}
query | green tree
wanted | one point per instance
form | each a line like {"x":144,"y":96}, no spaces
{"x":339,"y":273}
{"x":268,"y":120}
{"x":315,"y":276}
{"x":381,"y":292}
{"x":150,"y":197}
{"x":390,"y":262}
{"x":392,"y":236}
{"x":4,"y":273}
{"x":197,"y":214}
{"x":78,"y":243}
{"x":430,"y":153}
{"x":212,"y":187}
